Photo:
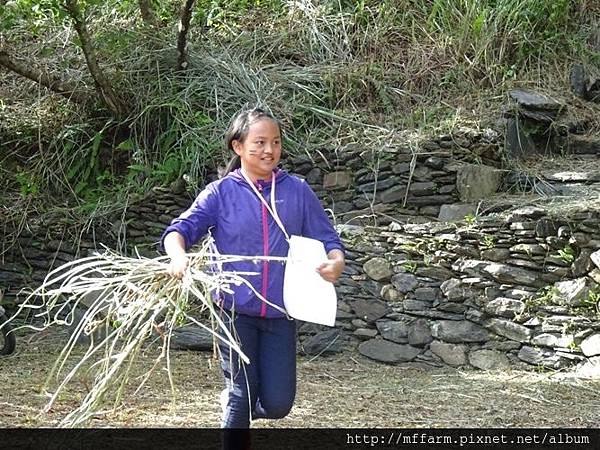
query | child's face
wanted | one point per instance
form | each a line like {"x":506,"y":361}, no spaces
{"x":261,"y":150}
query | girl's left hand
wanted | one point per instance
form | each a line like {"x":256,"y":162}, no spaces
{"x":333,"y":268}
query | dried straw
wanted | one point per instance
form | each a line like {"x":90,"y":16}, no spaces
{"x":129,"y":300}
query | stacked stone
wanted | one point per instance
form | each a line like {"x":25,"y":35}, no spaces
{"x":404,"y":183}
{"x":446,"y":294}
{"x":147,"y":219}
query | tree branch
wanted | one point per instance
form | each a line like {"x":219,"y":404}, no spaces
{"x":184,"y":25}
{"x":148,"y":15}
{"x":105,"y":90}
{"x":52,"y":83}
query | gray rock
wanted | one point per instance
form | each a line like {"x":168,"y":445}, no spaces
{"x":405,"y":282}
{"x":488,"y":360}
{"x":591,"y":345}
{"x":453,"y":289}
{"x":528,"y":249}
{"x":390,"y":294}
{"x":393,"y":331}
{"x":583,"y":263}
{"x":422,"y":188}
{"x":504,"y":307}
{"x":503,"y":346}
{"x":518,"y":142}
{"x":526,"y":212}
{"x":571,"y":292}
{"x":435,"y":272}
{"x":477,"y":181}
{"x":359,"y":323}
{"x":495,"y":254}
{"x":427,"y":294}
{"x":337,"y":180}
{"x":513,"y":275}
{"x":415,"y":305}
{"x":314,"y":176}
{"x":191,"y":337}
{"x":378,"y":269}
{"x":595,"y":257}
{"x":540,"y":357}
{"x":578,"y":80}
{"x":325,"y":342}
{"x":419,"y":333}
{"x":451,"y":307}
{"x":401,"y":168}
{"x":340,"y":314}
{"x":365,"y":333}
{"x":553,"y":340}
{"x":534,"y":100}
{"x":394,"y":194}
{"x":388,"y":352}
{"x":509,"y":329}
{"x":369,"y":310}
{"x":589,"y":368}
{"x":459,"y":331}
{"x":456,"y":212}
{"x":451,"y":354}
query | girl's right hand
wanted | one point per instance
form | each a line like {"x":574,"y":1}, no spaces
{"x":178,"y":266}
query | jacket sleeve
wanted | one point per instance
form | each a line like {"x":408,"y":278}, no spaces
{"x":316,"y":224}
{"x":194,"y":223}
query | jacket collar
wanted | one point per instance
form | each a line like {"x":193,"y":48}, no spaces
{"x":279,"y":174}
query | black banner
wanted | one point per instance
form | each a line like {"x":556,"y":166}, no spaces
{"x":299,"y":439}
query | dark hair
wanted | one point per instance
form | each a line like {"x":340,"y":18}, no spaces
{"x":238,"y":130}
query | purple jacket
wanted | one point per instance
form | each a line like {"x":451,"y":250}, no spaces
{"x":241,"y":225}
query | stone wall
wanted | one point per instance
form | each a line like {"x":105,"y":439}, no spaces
{"x":429,"y":279}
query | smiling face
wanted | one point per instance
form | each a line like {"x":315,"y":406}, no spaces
{"x":260,"y":150}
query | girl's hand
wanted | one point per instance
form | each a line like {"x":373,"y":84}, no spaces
{"x":178,"y":266}
{"x":333,"y":268}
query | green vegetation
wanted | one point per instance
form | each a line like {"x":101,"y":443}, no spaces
{"x":335,"y":73}
{"x":567,"y":254}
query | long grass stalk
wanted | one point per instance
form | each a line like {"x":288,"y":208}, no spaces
{"x":129,"y":301}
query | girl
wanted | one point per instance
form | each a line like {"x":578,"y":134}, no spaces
{"x":243,"y":224}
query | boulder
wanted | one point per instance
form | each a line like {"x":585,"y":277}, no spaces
{"x":510,"y":330}
{"x":459,"y":331}
{"x":590,"y":346}
{"x":451,"y":354}
{"x":388,"y":352}
{"x":325,"y":342}
{"x":456,"y":212}
{"x":369,"y":310}
{"x":405,"y":282}
{"x":477,"y":181}
{"x":337,"y":180}
{"x":378,"y":269}
{"x":488,"y":360}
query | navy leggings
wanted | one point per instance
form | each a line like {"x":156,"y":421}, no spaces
{"x":265,"y":388}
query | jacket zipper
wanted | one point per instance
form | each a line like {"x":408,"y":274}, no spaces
{"x":265,"y":277}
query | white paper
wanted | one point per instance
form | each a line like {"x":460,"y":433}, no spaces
{"x":306,"y":295}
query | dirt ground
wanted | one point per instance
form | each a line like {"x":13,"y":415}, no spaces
{"x":341,"y":391}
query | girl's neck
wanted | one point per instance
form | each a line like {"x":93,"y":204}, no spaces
{"x":255,"y":178}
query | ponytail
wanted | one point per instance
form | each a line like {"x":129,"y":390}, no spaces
{"x":233,"y":164}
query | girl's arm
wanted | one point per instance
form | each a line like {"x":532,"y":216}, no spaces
{"x":188,"y":228}
{"x":332,"y":269}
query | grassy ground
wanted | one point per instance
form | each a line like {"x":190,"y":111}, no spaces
{"x":341,"y":391}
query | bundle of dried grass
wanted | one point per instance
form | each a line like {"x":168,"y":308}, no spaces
{"x":134,"y":302}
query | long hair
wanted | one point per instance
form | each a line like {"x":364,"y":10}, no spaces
{"x":238,"y":131}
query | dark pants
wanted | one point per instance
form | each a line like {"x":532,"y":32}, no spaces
{"x":266,"y":387}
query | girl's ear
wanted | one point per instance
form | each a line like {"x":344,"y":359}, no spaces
{"x":237,"y":146}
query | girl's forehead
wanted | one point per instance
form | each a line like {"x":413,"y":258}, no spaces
{"x":264,"y":126}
